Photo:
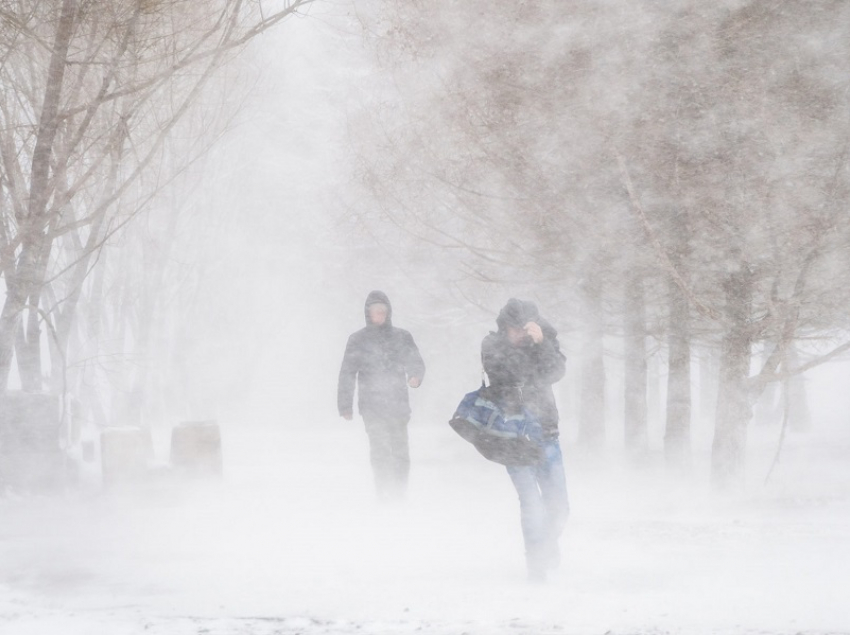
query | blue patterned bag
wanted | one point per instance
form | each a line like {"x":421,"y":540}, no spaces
{"x":509,"y":439}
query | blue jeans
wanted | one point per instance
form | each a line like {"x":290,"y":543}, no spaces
{"x":544,"y":506}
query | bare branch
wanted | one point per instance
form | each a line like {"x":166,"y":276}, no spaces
{"x":660,"y":252}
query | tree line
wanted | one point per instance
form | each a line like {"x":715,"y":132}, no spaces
{"x":670,"y":174}
{"x":104,"y":106}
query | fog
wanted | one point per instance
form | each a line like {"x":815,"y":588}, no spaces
{"x":291,"y":540}
{"x":291,"y":537}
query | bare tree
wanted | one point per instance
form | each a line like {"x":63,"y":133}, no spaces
{"x":92,"y":92}
{"x":536,"y":122}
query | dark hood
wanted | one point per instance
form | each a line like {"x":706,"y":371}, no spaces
{"x":518,"y":313}
{"x":378,"y":297}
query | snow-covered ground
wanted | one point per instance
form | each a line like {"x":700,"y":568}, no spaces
{"x":292,"y":541}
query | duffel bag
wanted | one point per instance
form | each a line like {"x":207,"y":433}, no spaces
{"x":509,"y":439}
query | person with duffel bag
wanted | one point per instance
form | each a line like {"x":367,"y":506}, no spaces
{"x":514,"y":421}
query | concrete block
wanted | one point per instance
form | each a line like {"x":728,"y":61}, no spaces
{"x":196,"y":447}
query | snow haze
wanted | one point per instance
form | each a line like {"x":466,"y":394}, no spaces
{"x":291,"y":540}
{"x":275,"y":250}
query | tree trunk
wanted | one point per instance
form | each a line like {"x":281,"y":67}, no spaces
{"x":709,"y":368}
{"x":28,"y":348}
{"x":28,"y":275}
{"x":799,"y":415}
{"x":768,"y":408}
{"x":67,"y":314}
{"x":733,"y":403}
{"x":653,"y":389}
{"x":592,"y":408}
{"x":18,"y":289}
{"x":677,"y":433}
{"x":635,"y":415}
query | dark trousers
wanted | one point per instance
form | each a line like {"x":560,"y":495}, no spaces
{"x":389,"y":454}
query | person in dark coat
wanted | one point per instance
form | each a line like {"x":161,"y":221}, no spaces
{"x":522,"y":361}
{"x":382,"y":360}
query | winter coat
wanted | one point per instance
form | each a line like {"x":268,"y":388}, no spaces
{"x":524,"y":373}
{"x":380,"y":359}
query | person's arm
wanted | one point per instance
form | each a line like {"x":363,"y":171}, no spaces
{"x":347,"y":380}
{"x":550,"y":361}
{"x":414,"y":365}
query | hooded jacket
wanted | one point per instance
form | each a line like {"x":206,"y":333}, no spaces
{"x":524,"y":373}
{"x":379,"y":359}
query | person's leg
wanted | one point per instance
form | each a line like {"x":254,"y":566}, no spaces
{"x":532,"y":517}
{"x":380,"y":453}
{"x":389,"y":455}
{"x":553,"y":489}
{"x":399,"y":458}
